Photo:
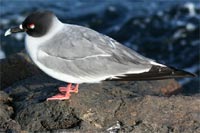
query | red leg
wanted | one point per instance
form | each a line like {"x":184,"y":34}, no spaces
{"x":62,"y":96}
{"x":75,"y":89}
{"x":72,"y":89}
{"x":62,"y":89}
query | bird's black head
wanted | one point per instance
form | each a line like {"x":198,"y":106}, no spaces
{"x":37,"y":24}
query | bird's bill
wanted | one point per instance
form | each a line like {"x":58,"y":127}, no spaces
{"x":14,"y":30}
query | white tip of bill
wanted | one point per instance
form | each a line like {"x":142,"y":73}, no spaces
{"x":8,"y":32}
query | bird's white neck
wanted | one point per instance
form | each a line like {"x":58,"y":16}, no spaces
{"x":55,"y":27}
{"x":33,"y":43}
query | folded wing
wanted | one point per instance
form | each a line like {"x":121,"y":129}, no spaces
{"x":87,"y":54}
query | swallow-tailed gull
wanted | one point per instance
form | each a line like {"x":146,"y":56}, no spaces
{"x":76,"y":54}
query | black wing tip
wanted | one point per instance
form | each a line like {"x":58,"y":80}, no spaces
{"x":190,"y":75}
{"x":182,"y":73}
{"x":185,"y":74}
{"x":156,"y":73}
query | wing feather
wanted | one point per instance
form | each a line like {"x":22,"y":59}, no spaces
{"x":79,"y":51}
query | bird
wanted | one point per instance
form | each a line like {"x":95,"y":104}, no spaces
{"x":76,"y":54}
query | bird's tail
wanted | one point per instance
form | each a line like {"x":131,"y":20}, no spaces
{"x":156,"y":73}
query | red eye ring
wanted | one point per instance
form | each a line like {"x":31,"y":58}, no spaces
{"x":31,"y":26}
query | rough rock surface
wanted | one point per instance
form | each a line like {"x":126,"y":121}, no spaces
{"x":15,"y":68}
{"x":6,"y":112}
{"x":104,"y":107}
{"x":142,"y":106}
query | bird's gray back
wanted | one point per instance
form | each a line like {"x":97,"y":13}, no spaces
{"x":80,"y":51}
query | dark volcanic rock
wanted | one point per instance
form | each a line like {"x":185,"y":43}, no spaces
{"x":104,"y":107}
{"x":15,"y":68}
{"x":6,"y":112}
{"x":45,"y":116}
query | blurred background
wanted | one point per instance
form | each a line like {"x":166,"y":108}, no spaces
{"x":167,"y":31}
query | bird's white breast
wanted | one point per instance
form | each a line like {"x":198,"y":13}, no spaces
{"x":32,"y":45}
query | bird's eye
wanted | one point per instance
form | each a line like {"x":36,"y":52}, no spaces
{"x":31,"y":26}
